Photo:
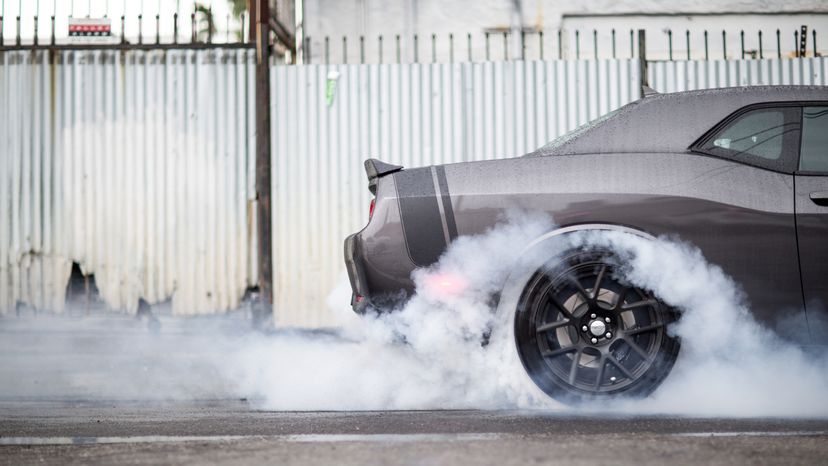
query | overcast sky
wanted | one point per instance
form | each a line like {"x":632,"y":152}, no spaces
{"x":62,"y":9}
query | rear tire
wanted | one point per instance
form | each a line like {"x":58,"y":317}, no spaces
{"x":583,"y":333}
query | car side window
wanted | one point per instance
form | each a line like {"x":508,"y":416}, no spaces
{"x":813,"y":155}
{"x":767,"y":137}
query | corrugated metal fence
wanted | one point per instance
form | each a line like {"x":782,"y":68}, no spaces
{"x":327,"y":119}
{"x":684,"y":75}
{"x":421,"y":114}
{"x":139,"y":165}
{"x":135,"y":165}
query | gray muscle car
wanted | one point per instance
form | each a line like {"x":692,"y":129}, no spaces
{"x":741,"y":173}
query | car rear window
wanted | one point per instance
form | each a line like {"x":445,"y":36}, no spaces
{"x":814,"y":153}
{"x":767,"y":137}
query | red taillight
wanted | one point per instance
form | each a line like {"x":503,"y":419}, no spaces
{"x":371,"y":208}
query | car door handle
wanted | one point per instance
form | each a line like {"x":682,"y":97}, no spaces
{"x":820,"y":198}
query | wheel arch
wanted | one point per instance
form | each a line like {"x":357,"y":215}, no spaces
{"x":528,"y":263}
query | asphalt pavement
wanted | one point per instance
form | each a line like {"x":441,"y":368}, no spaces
{"x":88,"y":391}
{"x":233,"y":432}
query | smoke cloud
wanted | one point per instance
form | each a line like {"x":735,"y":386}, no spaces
{"x":447,"y":347}
{"x":729,"y":364}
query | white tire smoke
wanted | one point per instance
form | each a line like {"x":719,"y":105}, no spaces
{"x":450,"y":346}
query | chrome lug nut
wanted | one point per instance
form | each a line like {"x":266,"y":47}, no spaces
{"x":612,"y":379}
{"x":593,"y":316}
{"x":584,"y":328}
{"x":607,"y":319}
{"x":594,"y":340}
{"x":608,"y":335}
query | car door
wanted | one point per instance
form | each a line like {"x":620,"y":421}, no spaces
{"x":754,"y":240}
{"x":811,"y":187}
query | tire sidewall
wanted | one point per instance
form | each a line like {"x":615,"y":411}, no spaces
{"x":512,"y":303}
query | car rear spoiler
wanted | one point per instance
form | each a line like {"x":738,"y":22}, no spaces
{"x":376,"y":170}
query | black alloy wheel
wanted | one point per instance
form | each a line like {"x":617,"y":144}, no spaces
{"x":584,"y":333}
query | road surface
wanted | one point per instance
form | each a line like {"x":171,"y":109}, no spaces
{"x":232,"y":432}
{"x":99,"y":390}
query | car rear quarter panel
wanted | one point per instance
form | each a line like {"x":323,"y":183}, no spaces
{"x":741,"y":217}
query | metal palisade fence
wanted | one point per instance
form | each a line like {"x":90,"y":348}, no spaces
{"x":138,"y":165}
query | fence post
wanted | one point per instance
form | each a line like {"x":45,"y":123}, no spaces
{"x":813,"y":33}
{"x":613,"y":43}
{"x":761,"y":52}
{"x":796,"y":41}
{"x":687,"y":43}
{"x":595,"y":44}
{"x":265,"y":308}
{"x":706,"y":50}
{"x":642,"y":59}
{"x":577,"y":44}
{"x":742,"y":43}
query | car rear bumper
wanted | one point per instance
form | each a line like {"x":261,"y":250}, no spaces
{"x":356,"y":273}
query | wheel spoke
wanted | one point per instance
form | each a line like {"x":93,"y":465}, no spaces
{"x":636,"y":348}
{"x":648,"y":328}
{"x":621,"y":297}
{"x":620,"y":367}
{"x":598,"y":281}
{"x":601,"y":365}
{"x":561,"y":307}
{"x":553,"y":325}
{"x":573,"y":369}
{"x":579,"y":288}
{"x":559,"y":351}
{"x":642,"y":303}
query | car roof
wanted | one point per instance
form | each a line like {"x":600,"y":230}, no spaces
{"x":672,"y":122}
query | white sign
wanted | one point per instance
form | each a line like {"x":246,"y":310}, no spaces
{"x":90,"y":29}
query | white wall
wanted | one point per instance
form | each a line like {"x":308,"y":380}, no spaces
{"x":371,"y":18}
